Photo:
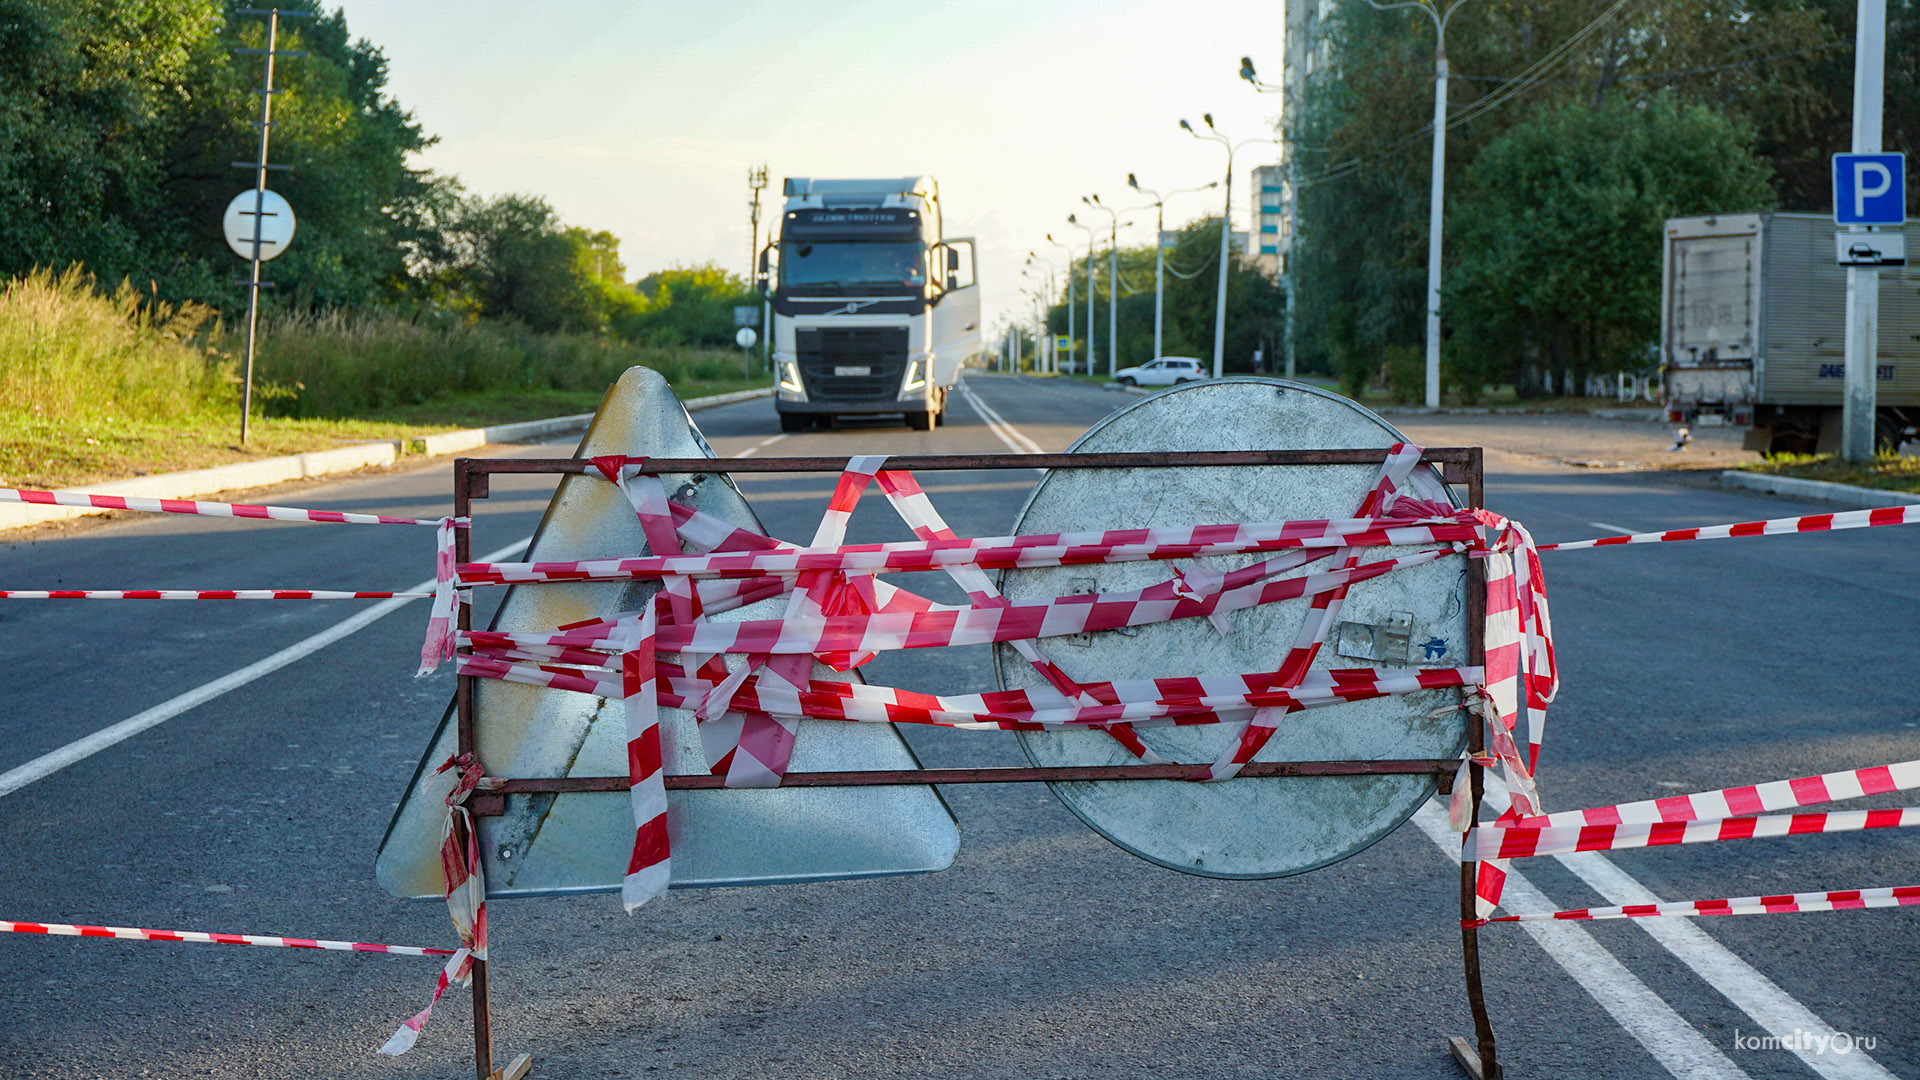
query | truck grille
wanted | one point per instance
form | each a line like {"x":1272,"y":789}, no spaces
{"x":882,"y":350}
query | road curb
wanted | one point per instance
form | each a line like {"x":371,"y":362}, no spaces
{"x":194,"y":483}
{"x":1823,"y":490}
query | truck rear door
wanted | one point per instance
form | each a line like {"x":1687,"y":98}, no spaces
{"x":1711,"y":298}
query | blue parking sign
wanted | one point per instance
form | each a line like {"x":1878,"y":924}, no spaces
{"x":1869,"y":189}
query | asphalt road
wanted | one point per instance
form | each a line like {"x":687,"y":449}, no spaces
{"x":1044,"y":951}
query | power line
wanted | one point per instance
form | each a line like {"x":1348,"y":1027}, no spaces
{"x":1673,"y":74}
{"x":1519,"y":84}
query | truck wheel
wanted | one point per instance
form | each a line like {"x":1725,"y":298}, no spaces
{"x":920,"y":421}
{"x":795,"y":421}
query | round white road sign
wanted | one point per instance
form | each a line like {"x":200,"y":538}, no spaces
{"x":275,"y":222}
{"x":746,"y":337}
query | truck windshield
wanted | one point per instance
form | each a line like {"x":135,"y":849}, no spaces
{"x":847,"y":267}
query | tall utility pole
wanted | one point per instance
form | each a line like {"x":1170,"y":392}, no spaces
{"x":1432,"y":9}
{"x":1858,"y":407}
{"x":260,"y":167}
{"x":756,"y":182}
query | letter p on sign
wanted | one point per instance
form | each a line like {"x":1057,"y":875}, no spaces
{"x":1869,"y":189}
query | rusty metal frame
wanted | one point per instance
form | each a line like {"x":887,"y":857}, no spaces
{"x":1459,"y":466}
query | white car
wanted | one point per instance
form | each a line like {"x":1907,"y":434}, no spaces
{"x":1165,"y":371}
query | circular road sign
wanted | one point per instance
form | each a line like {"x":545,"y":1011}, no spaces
{"x":275,"y":223}
{"x":1248,"y":827}
{"x":746,"y":337}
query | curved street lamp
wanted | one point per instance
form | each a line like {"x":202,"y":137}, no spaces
{"x":1092,"y":352}
{"x":1113,"y":281}
{"x":1159,"y":205}
{"x":1070,"y":298}
{"x":1226,"y":234}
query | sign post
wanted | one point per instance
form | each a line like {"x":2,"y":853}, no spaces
{"x":745,"y":339}
{"x":1865,"y":184}
{"x":258,"y":222}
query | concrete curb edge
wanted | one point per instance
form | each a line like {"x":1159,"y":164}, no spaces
{"x":193,"y":483}
{"x":1823,"y":490}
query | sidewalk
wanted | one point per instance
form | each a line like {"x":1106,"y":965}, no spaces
{"x":194,"y":483}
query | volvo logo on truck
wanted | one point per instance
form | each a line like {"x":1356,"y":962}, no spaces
{"x":874,"y":306}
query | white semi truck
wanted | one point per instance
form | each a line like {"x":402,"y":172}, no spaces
{"x":1753,"y":332}
{"x":874,"y":307}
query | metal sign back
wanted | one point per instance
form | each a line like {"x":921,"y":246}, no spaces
{"x":1416,"y":617}
{"x":579,"y":841}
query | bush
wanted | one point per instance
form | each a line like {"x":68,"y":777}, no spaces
{"x":343,"y":364}
{"x":67,"y":349}
{"x":1407,"y":373}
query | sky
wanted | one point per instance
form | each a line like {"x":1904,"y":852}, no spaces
{"x":644,"y":119}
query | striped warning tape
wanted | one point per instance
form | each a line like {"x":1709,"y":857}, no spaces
{"x":1837,"y":900}
{"x":204,"y":594}
{"x":208,"y":509}
{"x":128,"y":933}
{"x":1847,"y":519}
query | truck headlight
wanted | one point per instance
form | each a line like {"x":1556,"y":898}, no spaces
{"x":789,"y":378}
{"x":916,"y":379}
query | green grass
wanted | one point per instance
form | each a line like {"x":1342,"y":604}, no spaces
{"x":97,"y":386}
{"x":1885,"y":472}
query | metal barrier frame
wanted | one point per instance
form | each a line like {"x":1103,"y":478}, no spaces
{"x":1459,"y":467}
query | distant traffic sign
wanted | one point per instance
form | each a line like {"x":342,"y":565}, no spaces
{"x":1867,"y":249}
{"x":275,"y":223}
{"x":746,"y":314}
{"x":1869,"y":189}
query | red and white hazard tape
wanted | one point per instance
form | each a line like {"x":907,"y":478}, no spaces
{"x":1519,"y":842}
{"x":1785,"y":903}
{"x":839,"y":613}
{"x":1847,"y":519}
{"x":204,"y":594}
{"x":1702,"y":817}
{"x":128,"y":933}
{"x":207,"y":509}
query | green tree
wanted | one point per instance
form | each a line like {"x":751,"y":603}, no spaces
{"x":1362,"y":134}
{"x":690,"y":305}
{"x":1558,"y":229}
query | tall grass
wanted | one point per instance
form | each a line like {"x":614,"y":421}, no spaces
{"x":350,"y":364}
{"x":70,"y":350}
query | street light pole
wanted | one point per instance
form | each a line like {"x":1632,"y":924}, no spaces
{"x":1070,"y":297}
{"x":1226,"y":236}
{"x":1092,"y":357}
{"x":1113,"y":282}
{"x":1159,"y":205}
{"x":1431,"y":7}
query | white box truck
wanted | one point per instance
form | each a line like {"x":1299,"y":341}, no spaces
{"x":1753,"y":332}
{"x":875,"y":308}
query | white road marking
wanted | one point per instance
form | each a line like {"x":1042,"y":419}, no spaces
{"x":81,"y":749}
{"x":1002,"y":430}
{"x":756,"y":447}
{"x":1776,"y":1011}
{"x":1674,"y":1043}
{"x":1611,"y":528}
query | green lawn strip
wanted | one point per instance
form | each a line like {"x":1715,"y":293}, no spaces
{"x":43,"y":452}
{"x":1886,"y":472}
